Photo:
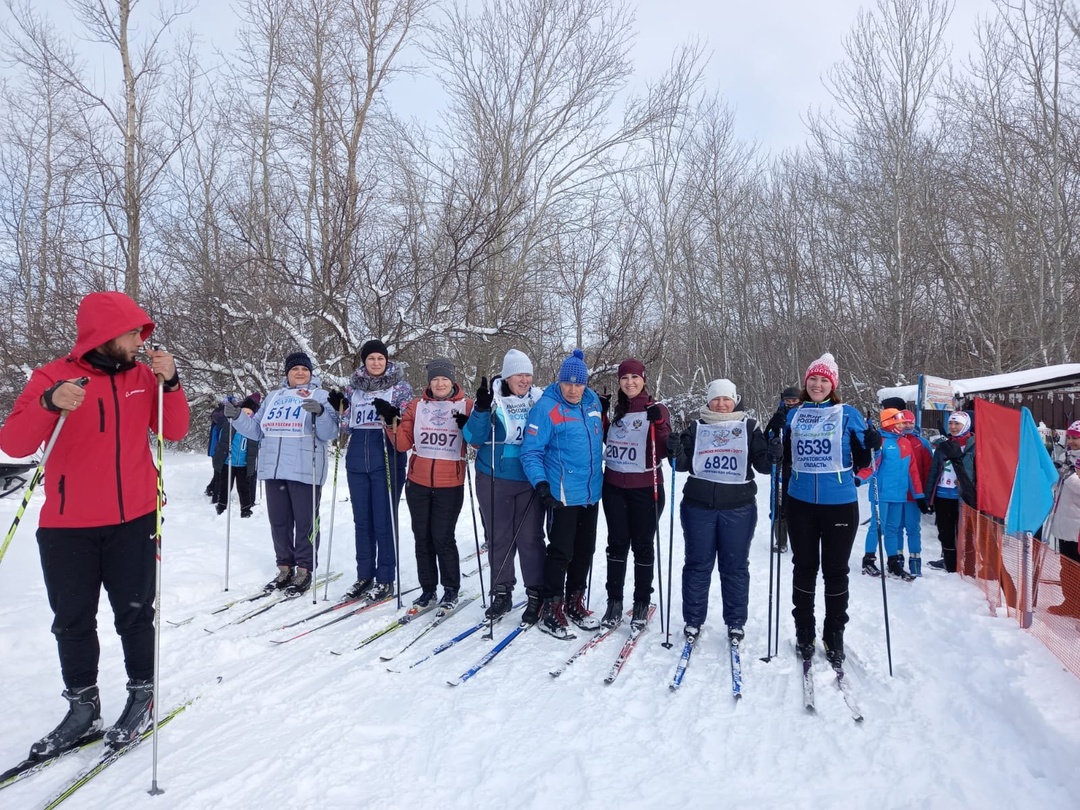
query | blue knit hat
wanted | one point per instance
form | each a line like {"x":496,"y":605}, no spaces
{"x":573,"y":369}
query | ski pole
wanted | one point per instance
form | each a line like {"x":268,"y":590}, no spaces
{"x":154,"y":789}
{"x":476,"y":532}
{"x":391,"y":485}
{"x":656,"y":520}
{"x":333,"y":502}
{"x":38,"y":473}
{"x":670,"y":555}
{"x":881,"y":550}
{"x":314,"y":515}
{"x":228,"y":499}
{"x":774,"y":551}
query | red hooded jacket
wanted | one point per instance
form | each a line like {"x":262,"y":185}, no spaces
{"x":101,"y":471}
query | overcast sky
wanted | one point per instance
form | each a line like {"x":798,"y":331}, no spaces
{"x":768,"y":56}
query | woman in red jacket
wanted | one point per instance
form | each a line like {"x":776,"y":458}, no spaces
{"x":97,"y":525}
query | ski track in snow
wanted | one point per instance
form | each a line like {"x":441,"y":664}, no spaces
{"x":978,"y":714}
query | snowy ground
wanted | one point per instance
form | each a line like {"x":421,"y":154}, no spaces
{"x":978,"y":714}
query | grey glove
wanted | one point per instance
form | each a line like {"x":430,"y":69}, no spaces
{"x":312,"y":406}
{"x":230,"y":409}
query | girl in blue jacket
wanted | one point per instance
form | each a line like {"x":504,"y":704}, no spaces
{"x":825,"y":441}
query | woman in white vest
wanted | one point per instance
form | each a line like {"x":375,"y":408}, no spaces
{"x":721,"y":449}
{"x":633,"y":493}
{"x":826,"y":440}
{"x":435,"y":486}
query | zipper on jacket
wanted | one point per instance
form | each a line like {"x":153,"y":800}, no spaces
{"x":101,"y":414}
{"x":119,"y":478}
{"x":60,"y":489}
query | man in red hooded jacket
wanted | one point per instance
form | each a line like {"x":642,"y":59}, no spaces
{"x":98,"y":522}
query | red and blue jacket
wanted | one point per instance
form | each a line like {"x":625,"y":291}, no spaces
{"x":564,"y":445}
{"x":901,"y":468}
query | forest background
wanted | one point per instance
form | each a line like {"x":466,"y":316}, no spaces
{"x":275,"y":197}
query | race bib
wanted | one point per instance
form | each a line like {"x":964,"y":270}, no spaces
{"x":513,"y":412}
{"x":948,"y":477}
{"x":283,"y":417}
{"x":625,"y":448}
{"x":721,"y":452}
{"x":362,"y":413}
{"x":817,"y":440}
{"x":435,"y":433}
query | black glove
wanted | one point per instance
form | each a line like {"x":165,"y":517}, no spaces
{"x":674,"y":444}
{"x":776,"y":450}
{"x":230,"y":409}
{"x":386,"y":411}
{"x":312,"y":406}
{"x":951,"y":450}
{"x":872,"y":438}
{"x":858,"y":481}
{"x":924,"y":507}
{"x":484,"y":396}
{"x":605,"y":401}
{"x":461,"y":419}
{"x":654,"y":414}
{"x":547,"y":500}
{"x":337,"y":400}
{"x":778,"y":421}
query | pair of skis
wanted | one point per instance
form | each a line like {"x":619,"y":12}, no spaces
{"x":28,"y":768}
{"x":620,"y":661}
{"x":414,"y":612}
{"x":275,"y":598}
{"x":841,"y":682}
{"x":734,"y":655}
{"x":450,"y":643}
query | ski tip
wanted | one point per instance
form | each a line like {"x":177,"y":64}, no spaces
{"x":737,"y":696}
{"x":335,"y":652}
{"x":454,"y":682}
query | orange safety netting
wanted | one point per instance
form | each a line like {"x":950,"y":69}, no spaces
{"x":1038,"y":586}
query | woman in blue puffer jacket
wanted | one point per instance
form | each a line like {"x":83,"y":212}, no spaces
{"x":562,"y":455}
{"x":825,"y":440}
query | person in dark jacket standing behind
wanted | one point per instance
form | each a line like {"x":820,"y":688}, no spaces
{"x":789,"y":398}
{"x":951,"y":479}
{"x":633,"y":490}
{"x":376,"y":471}
{"x":721,"y":450}
{"x":825,"y":441}
{"x":98,"y":523}
{"x":237,"y":463}
{"x":562,"y":455}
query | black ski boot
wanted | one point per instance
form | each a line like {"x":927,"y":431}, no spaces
{"x":640,"y":616}
{"x":691,"y":632}
{"x":553,"y":620}
{"x":578,"y":613}
{"x":426,"y":598}
{"x":531,"y":615}
{"x":804,"y":642}
{"x":281,"y":581}
{"x":502,"y":600}
{"x":82,"y":722}
{"x":449,"y":600}
{"x":136,"y":716}
{"x":736,"y":635}
{"x":382,"y":590}
{"x":895,"y":566}
{"x":869,"y":566}
{"x":613,"y":615}
{"x":833,"y":640}
{"x":358,"y":590}
{"x":300,"y":583}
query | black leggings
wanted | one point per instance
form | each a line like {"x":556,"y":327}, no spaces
{"x":821,"y":537}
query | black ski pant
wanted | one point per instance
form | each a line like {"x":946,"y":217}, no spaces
{"x":245,"y":487}
{"x":516,"y":509}
{"x":76,"y":563}
{"x":571,"y":543}
{"x":947,"y":517}
{"x":288,"y":507}
{"x":821,"y":538}
{"x":631,"y":516}
{"x":434,"y":512}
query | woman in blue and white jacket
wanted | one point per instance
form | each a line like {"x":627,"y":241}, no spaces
{"x":825,"y":441}
{"x":283,"y":427}
{"x":562,"y":455}
{"x":496,"y":427}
